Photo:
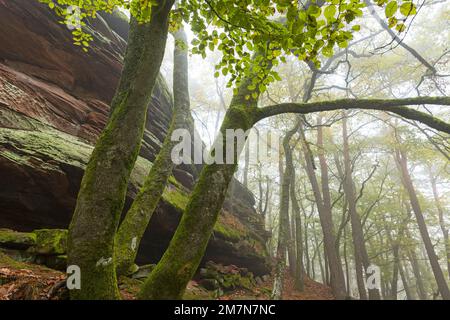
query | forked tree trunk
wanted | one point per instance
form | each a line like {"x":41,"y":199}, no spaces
{"x":138,"y":216}
{"x":103,"y":187}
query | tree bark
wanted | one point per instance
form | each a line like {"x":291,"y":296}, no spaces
{"x":406,"y":286}
{"x":138,"y":216}
{"x":299,"y":267}
{"x":362,"y":260}
{"x":284,"y":232}
{"x":401,"y":160}
{"x":396,"y":106}
{"x":420,"y":286}
{"x":444,"y":228}
{"x":104,"y":184}
{"x":180,"y":261}
{"x":337,"y":274}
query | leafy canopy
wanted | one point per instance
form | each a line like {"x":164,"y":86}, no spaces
{"x":239,"y":28}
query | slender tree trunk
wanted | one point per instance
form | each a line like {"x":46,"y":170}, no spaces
{"x":395,"y":271}
{"x":406,"y":179}
{"x":180,"y":261}
{"x":306,"y":251}
{"x":103,"y":188}
{"x":444,"y":228}
{"x":395,"y":245}
{"x":280,"y":257}
{"x":406,"y":286}
{"x":305,"y":239}
{"x":347,"y":266}
{"x":299,"y":269}
{"x":137,"y":218}
{"x":420,"y":286}
{"x":362,"y":260}
{"x":298,"y":233}
{"x":337,"y":274}
{"x":284,"y":233}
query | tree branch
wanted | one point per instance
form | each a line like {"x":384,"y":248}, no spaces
{"x":396,"y":106}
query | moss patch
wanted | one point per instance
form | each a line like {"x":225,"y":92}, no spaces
{"x":175,"y":197}
{"x":16,"y":240}
{"x":230,"y":228}
{"x":50,"y":242}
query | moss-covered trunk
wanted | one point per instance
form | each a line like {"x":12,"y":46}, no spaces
{"x":136,"y":221}
{"x":284,"y":233}
{"x":104,"y":184}
{"x":182,"y":258}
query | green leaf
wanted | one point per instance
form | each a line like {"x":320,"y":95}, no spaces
{"x":408,"y":9}
{"x":391,"y":9}
{"x":329,"y":12}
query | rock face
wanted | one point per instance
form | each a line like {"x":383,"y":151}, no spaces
{"x":53,"y":105}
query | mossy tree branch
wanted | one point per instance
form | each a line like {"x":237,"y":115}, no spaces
{"x":396,"y":106}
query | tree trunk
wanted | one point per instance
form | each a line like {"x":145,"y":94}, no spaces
{"x":401,"y":159}
{"x":337,"y":274}
{"x":444,"y":228}
{"x":105,"y":181}
{"x":395,"y":271}
{"x":406,"y":286}
{"x":297,"y":226}
{"x":299,"y":268}
{"x":347,"y":266}
{"x":180,"y":261}
{"x":420,"y":286}
{"x":362,"y":260}
{"x":138,"y":216}
{"x":285,"y":242}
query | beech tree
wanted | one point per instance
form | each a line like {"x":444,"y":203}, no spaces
{"x":253,"y":37}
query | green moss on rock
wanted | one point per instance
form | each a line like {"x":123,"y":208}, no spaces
{"x":7,"y":262}
{"x":226,"y":232}
{"x":16,"y":240}
{"x":50,"y":242}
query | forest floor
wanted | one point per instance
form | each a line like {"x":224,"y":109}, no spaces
{"x":25,"y":281}
{"x":313,"y":291}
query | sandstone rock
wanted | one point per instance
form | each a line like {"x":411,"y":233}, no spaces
{"x":16,"y":240}
{"x":143,"y":271}
{"x":54,"y":102}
